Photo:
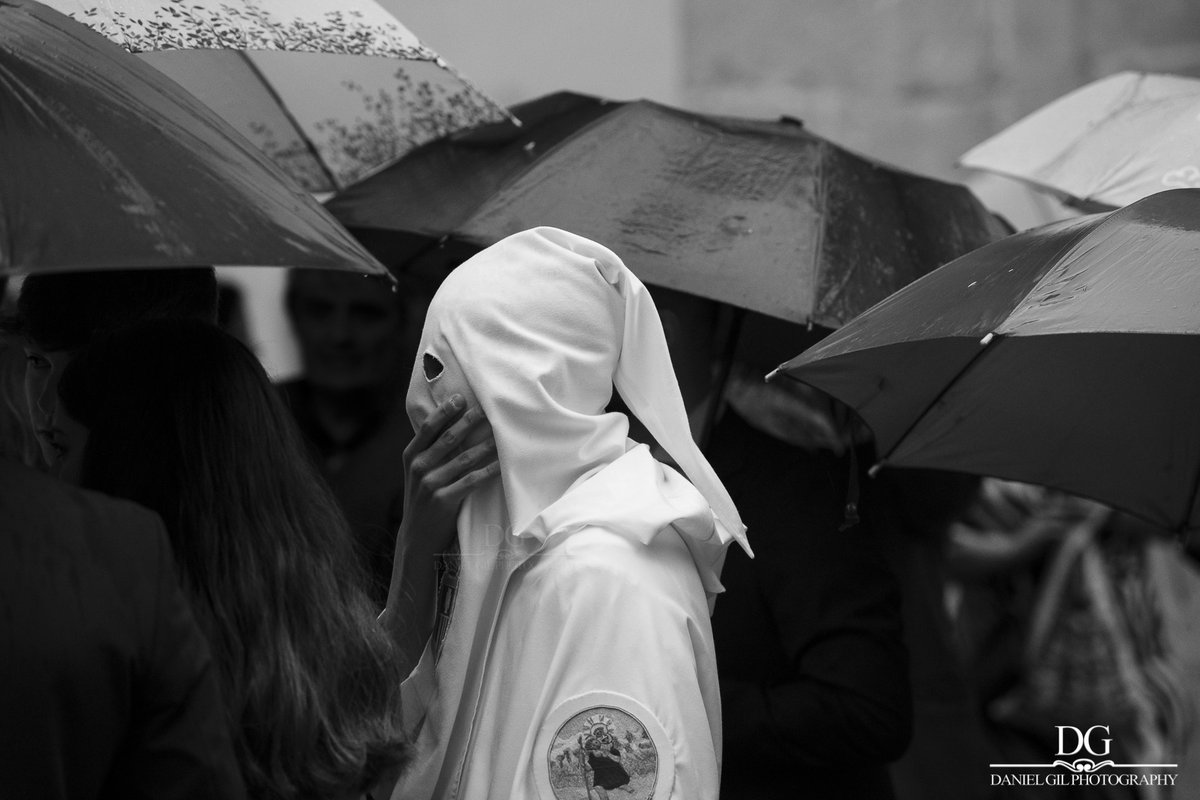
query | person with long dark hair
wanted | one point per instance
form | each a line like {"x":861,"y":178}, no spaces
{"x":181,"y":418}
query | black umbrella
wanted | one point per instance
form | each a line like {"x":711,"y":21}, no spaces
{"x":105,"y":163}
{"x":759,"y":214}
{"x":1064,"y":356}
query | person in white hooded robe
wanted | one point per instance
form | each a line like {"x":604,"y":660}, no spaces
{"x":573,"y":655}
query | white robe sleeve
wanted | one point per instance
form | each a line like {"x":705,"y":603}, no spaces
{"x":602,"y":671}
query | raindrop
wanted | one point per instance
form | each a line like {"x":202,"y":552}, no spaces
{"x":735,"y":225}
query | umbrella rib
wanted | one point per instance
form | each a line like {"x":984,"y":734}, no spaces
{"x":983,"y":345}
{"x":308,"y":144}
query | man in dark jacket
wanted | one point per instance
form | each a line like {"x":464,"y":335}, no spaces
{"x":814,"y":672}
{"x":815,"y":690}
{"x":107,"y":688}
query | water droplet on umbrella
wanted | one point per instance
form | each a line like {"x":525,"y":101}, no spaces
{"x":735,"y":225}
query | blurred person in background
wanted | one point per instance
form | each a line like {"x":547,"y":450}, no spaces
{"x":57,"y":314}
{"x":813,"y":668}
{"x":1072,"y":613}
{"x":17,"y":440}
{"x":181,"y":417}
{"x":911,"y":511}
{"x":356,"y":346}
{"x":810,"y":642}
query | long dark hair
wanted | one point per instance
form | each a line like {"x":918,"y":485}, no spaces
{"x":183,"y":419}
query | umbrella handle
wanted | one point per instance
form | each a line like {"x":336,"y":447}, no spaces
{"x":851,"y":518}
{"x":734,"y":330}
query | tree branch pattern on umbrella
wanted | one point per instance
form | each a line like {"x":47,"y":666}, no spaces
{"x":331,"y":89}
{"x":393,"y":122}
{"x":249,"y":27}
{"x":97,"y":137}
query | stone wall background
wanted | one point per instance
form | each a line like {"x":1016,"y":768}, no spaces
{"x":918,"y":82}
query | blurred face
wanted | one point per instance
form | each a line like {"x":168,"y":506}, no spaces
{"x":43,"y":368}
{"x":70,"y":443}
{"x":350,"y":330}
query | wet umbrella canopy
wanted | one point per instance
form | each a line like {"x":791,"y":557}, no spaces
{"x":405,"y":213}
{"x":104,"y":162}
{"x":1105,"y":145}
{"x":330,"y":89}
{"x":1064,"y":356}
{"x":760,"y":214}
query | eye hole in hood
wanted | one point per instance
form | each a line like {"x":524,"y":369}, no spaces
{"x":432,"y":366}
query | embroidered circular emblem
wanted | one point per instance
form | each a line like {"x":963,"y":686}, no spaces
{"x":603,"y":745}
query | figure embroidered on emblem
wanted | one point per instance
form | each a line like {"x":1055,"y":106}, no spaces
{"x":604,"y":752}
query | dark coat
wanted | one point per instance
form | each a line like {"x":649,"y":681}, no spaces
{"x":107,"y":688}
{"x":814,"y":673}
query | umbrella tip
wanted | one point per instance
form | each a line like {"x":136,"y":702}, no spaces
{"x":772,"y":374}
{"x":873,"y":470}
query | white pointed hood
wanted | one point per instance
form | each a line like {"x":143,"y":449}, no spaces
{"x":537,"y":329}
